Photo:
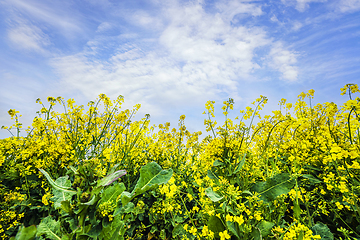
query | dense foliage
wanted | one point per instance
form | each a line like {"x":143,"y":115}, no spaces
{"x":99,"y":175}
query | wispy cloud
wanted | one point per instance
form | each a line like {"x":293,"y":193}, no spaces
{"x":302,"y":5}
{"x":52,"y":14}
{"x":349,"y":6}
{"x":198,"y":55}
{"x":175,"y":54}
{"x":28,"y":37}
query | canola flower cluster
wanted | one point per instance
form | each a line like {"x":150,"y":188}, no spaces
{"x":292,"y":175}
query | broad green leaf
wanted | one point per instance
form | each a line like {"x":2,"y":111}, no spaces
{"x":256,"y":234}
{"x":94,"y":231}
{"x":109,"y":179}
{"x":129,"y":207}
{"x":55,"y":185}
{"x":111,"y":193}
{"x":213,"y":195}
{"x":60,"y":195}
{"x":71,"y":222}
{"x":26,"y":233}
{"x":274,"y":187}
{"x":311,"y":178}
{"x":215,"y":224}
{"x":109,"y":232}
{"x":232,"y":227}
{"x":125,"y":197}
{"x":178,"y":230}
{"x":322,"y":230}
{"x":50,"y":228}
{"x":65,"y":205}
{"x":151,"y":176}
{"x":265,"y":227}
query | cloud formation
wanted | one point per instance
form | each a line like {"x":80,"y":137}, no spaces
{"x":28,"y":37}
{"x":193,"y":56}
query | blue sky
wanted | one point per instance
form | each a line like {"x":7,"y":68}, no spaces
{"x":172,"y":56}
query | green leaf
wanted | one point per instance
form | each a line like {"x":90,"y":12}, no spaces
{"x":217,"y":163}
{"x":74,"y":169}
{"x":55,"y":185}
{"x":129,"y":207}
{"x":92,"y":201}
{"x":71,"y":222}
{"x":126,"y":197}
{"x":256,"y":234}
{"x":181,"y":233}
{"x":311,"y":178}
{"x":109,"y":232}
{"x":111,"y":193}
{"x":109,"y":179}
{"x":50,"y":228}
{"x":297,"y":210}
{"x":213,"y":195}
{"x":26,"y":233}
{"x":212,"y":175}
{"x":274,"y":187}
{"x":322,"y":230}
{"x":240,"y":165}
{"x":94,"y":232}
{"x":65,"y":205}
{"x":151,"y":176}
{"x":215,"y":224}
{"x":61,"y":195}
{"x":265,"y":227}
{"x":178,"y":230}
{"x":232,"y":227}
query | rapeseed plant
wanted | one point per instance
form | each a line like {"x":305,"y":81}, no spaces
{"x":293,"y":175}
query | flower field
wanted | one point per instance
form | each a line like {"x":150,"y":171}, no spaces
{"x":95,"y":174}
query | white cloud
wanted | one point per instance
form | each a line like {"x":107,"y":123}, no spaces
{"x":297,"y":25}
{"x":28,"y":37}
{"x":195,"y":57}
{"x":348,"y":6}
{"x":144,"y":19}
{"x":104,"y":26}
{"x":301,"y":5}
{"x":56,"y":14}
{"x":284,"y":61}
{"x":274,"y":19}
{"x":229,"y":9}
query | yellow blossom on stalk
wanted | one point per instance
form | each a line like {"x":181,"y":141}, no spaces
{"x":193,"y":230}
{"x":195,"y":208}
{"x":229,"y":218}
{"x":296,"y":230}
{"x":339,"y":205}
{"x":311,"y":92}
{"x":12,"y":112}
{"x":224,"y":235}
{"x":186,"y":227}
{"x":278,"y":229}
{"x":239,"y":219}
{"x":46,"y":197}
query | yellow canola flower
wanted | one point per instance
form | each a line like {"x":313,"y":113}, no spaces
{"x":224,"y":235}
{"x":295,"y":231}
